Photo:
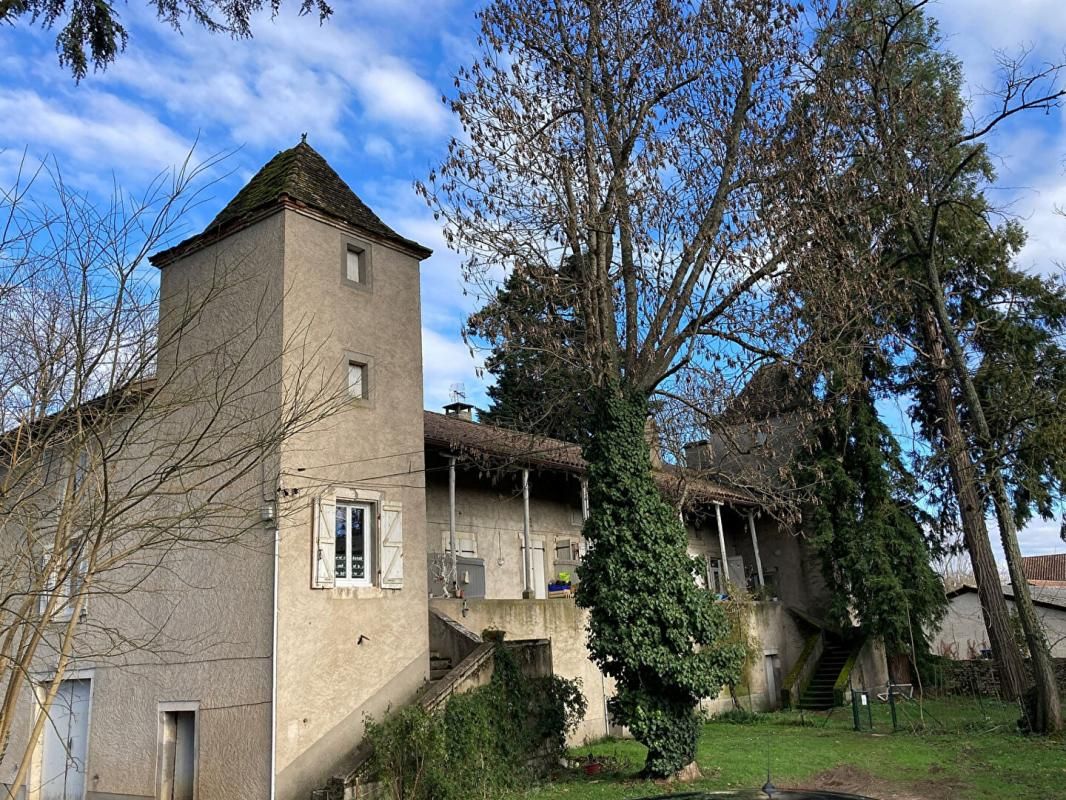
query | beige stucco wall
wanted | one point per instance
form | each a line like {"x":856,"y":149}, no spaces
{"x":190,"y":625}
{"x":284,"y":295}
{"x":962,"y":632}
{"x":327,"y":679}
{"x":488,"y":509}
{"x":564,"y":625}
{"x":776,"y":634}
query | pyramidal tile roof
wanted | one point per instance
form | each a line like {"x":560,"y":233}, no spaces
{"x":301,"y":176}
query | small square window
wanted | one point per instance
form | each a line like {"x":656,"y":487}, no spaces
{"x":357,"y":380}
{"x":355,"y":267}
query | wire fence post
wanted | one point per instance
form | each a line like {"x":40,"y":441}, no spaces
{"x":892,"y":706}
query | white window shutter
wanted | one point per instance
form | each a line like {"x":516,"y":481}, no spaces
{"x":391,"y":548}
{"x":323,"y":544}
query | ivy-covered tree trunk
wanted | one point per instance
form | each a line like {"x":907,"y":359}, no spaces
{"x":651,"y":627}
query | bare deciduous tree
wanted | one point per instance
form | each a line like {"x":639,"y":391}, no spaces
{"x":632,"y":153}
{"x":133,"y":434}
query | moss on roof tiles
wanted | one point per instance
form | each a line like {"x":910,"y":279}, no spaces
{"x":304,"y":176}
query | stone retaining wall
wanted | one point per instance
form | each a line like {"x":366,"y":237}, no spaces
{"x":979,"y":677}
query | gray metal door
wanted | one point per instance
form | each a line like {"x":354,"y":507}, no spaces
{"x":66,"y":743}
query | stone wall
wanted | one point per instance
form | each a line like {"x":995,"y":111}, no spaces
{"x":564,"y":624}
{"x":978,"y":676}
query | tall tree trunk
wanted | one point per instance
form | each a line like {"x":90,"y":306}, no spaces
{"x":1048,"y":712}
{"x":974,"y":530}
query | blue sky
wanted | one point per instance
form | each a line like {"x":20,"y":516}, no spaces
{"x":366,"y":88}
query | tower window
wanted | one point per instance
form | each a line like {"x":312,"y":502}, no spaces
{"x":356,"y":263}
{"x":355,"y":269}
{"x":357,"y":380}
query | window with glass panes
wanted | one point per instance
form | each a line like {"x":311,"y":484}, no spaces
{"x":353,"y":529}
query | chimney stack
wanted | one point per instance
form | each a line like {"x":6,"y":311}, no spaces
{"x":461,"y":410}
{"x":697,"y":454}
{"x":655,"y":445}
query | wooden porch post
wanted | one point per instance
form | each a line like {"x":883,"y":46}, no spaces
{"x":527,"y":563}
{"x":724,"y":561}
{"x":453,"y":578}
{"x":755,"y":547}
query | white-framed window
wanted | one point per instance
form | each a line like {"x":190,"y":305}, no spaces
{"x":356,"y":264}
{"x":569,"y":549}
{"x":63,"y":581}
{"x":357,"y":540}
{"x":358,"y":380}
{"x":81,"y":470}
{"x":353,"y":543}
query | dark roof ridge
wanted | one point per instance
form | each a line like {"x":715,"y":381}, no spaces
{"x":549,"y":452}
{"x":296,"y":178}
{"x":1045,"y":599}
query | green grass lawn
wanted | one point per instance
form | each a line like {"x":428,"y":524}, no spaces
{"x":965,"y":750}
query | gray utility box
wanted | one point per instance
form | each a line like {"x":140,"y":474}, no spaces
{"x":471,"y":575}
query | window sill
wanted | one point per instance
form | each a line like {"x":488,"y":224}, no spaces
{"x":357,"y":592}
{"x":359,"y":286}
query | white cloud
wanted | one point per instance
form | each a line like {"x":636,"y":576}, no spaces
{"x":1039,"y":537}
{"x":977,"y":29}
{"x":294,"y":76}
{"x":447,"y":361}
{"x":392,"y":92}
{"x":379,"y":147}
{"x":1028,"y":149}
{"x":91,"y":129}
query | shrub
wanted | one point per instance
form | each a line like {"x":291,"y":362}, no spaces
{"x":739,"y":716}
{"x":408,"y":748}
{"x":482,"y":744}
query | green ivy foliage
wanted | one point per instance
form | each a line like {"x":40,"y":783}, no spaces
{"x":483,"y":743}
{"x":651,"y":628}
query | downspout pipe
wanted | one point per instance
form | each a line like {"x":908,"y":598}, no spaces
{"x":527,"y":562}
{"x":271,"y":497}
{"x":274,"y":672}
{"x":453,"y":577}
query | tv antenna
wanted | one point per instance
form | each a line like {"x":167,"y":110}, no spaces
{"x":458,"y":392}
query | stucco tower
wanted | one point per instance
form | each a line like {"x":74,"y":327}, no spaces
{"x":332,"y":295}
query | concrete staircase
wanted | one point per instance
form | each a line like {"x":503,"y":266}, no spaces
{"x":439,"y":666}
{"x":818,"y":696}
